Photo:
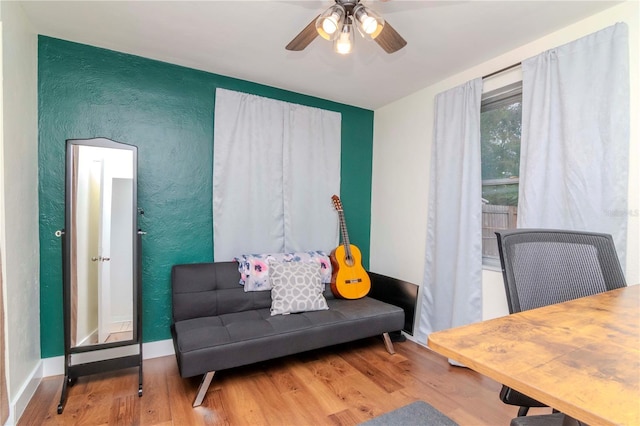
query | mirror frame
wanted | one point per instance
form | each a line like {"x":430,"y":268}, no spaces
{"x":135,"y":239}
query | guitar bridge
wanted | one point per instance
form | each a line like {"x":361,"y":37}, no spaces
{"x":354,"y":281}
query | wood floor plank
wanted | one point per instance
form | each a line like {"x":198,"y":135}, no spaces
{"x":309,"y":410}
{"x":369,"y":369}
{"x":89,"y":400}
{"x":155,"y":405}
{"x":237,"y":393}
{"x":274,"y":407}
{"x":283,"y":377}
{"x":127,"y":383}
{"x":316,"y":388}
{"x":330,"y":367}
{"x":47,"y":395}
{"x":125,"y":411}
{"x":344,"y":418}
{"x":182,"y":393}
{"x":340,"y":385}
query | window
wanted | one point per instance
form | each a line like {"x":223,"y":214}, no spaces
{"x":500,"y":127}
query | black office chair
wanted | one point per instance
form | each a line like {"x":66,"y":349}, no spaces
{"x":544,"y":266}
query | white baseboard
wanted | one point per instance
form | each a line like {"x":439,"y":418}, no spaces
{"x":412,"y":338}
{"x":20,"y":402}
{"x":54,"y":366}
{"x":157,"y":349}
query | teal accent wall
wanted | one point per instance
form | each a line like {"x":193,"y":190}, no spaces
{"x":167,"y":112}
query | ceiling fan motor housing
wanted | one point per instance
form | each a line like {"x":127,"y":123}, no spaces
{"x":348,"y":4}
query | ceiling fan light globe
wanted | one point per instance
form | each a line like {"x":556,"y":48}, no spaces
{"x":343,"y":48}
{"x":330,"y":21}
{"x":343,"y":44}
{"x":368,"y":22}
{"x":369,"y":25}
{"x":330,"y":26}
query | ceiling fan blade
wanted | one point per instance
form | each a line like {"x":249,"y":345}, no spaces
{"x":305,"y":37}
{"x":389,"y":39}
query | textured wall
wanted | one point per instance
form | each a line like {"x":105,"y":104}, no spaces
{"x":20,"y":205}
{"x":167,"y":112}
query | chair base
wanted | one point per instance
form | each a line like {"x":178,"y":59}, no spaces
{"x":555,"y":419}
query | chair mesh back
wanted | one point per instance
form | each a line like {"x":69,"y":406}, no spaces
{"x":543,"y":267}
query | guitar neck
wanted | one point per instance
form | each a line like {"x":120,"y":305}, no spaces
{"x":345,"y":234}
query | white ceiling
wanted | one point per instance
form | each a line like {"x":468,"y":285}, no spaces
{"x":246,"y":39}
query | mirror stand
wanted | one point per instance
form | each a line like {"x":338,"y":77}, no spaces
{"x":102,"y":261}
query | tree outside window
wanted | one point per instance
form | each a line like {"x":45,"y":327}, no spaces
{"x":500,"y":127}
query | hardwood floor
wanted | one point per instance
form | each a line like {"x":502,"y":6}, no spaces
{"x":341,"y":385}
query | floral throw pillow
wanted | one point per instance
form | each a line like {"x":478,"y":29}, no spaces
{"x":296,"y":287}
{"x":254,"y":268}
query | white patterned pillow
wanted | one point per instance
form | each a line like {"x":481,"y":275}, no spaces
{"x":296,"y":287}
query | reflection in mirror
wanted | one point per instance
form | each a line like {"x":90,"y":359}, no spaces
{"x":102,"y":236}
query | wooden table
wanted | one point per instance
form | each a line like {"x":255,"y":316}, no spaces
{"x":580,"y":357}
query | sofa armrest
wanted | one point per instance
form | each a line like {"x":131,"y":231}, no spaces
{"x":396,"y":292}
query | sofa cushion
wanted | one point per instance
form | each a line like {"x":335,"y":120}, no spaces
{"x":240,"y":338}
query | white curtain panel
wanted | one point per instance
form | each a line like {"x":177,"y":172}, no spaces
{"x":248,"y":214}
{"x":452,"y":289}
{"x":575,"y":137}
{"x":312,"y":175}
{"x":275,"y":167}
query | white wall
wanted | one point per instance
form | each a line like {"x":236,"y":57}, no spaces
{"x":401,"y":158}
{"x":19,"y":212}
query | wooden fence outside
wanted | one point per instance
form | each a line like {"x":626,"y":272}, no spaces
{"x":495,"y":218}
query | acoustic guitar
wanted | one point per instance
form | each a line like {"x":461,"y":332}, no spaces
{"x":349,"y":280}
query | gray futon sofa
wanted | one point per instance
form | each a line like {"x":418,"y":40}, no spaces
{"x":217,"y":325}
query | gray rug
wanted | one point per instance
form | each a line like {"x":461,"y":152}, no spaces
{"x":416,"y":413}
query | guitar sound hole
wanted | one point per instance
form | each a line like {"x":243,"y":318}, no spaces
{"x":349,"y":261}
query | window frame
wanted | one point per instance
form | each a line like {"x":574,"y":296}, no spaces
{"x":497,"y":97}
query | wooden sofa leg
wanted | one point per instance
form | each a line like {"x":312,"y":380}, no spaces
{"x":204,"y":386}
{"x":388,"y":344}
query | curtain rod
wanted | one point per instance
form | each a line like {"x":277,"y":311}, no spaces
{"x":502,"y":70}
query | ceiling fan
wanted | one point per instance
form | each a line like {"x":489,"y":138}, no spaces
{"x":337,"y":24}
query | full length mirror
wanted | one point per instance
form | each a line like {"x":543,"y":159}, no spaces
{"x":101,"y":236}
